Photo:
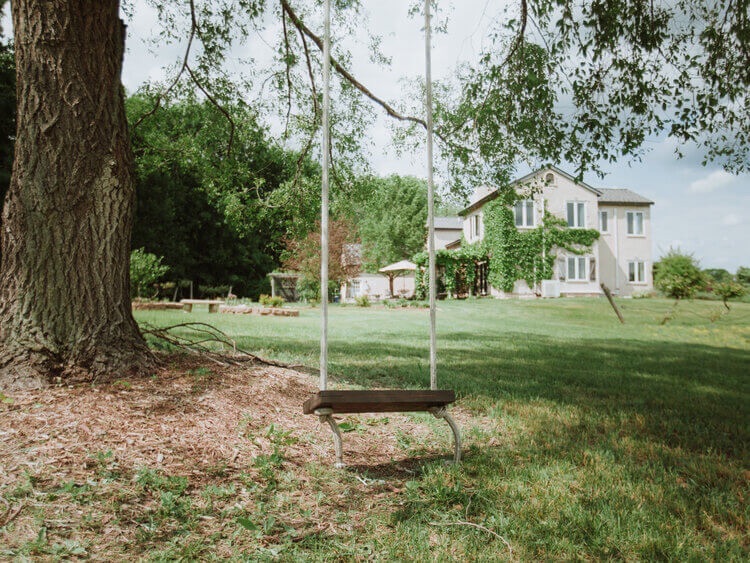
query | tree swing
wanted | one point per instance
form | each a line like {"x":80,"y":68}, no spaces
{"x":326,"y":403}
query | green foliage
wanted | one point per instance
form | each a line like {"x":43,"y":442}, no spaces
{"x":268,"y":301}
{"x":594,"y":82}
{"x":216,"y":215}
{"x":362,"y":301}
{"x":213,"y":291}
{"x":145,"y":270}
{"x":308,"y":289}
{"x":456,"y":268}
{"x":729,"y":290}
{"x":391,"y":221}
{"x":678,"y":275}
{"x":743,"y":275}
{"x":527,"y":254}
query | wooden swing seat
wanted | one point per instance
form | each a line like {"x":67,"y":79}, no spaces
{"x":380,"y":400}
{"x":324,"y":404}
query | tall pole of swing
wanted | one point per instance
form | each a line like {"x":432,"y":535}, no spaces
{"x":326,"y":150}
{"x":430,"y":194}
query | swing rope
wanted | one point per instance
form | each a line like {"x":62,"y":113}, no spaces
{"x":325,"y":186}
{"x":326,"y":402}
{"x":430,"y":196}
{"x":326,"y":148}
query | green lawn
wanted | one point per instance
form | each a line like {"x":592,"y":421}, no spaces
{"x":592,"y":440}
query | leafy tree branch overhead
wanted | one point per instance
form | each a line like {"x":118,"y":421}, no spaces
{"x":583,"y":82}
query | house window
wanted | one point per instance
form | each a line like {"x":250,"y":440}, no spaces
{"x":576,"y":214}
{"x":578,"y":268}
{"x":635,"y":222}
{"x":637,"y":271}
{"x":475,"y":224}
{"x":524,"y":212}
{"x":354,"y":288}
{"x":549,"y":178}
{"x":603,"y":222}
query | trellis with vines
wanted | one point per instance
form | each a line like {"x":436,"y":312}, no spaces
{"x":457,"y":268}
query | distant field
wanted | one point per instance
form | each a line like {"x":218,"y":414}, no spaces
{"x":605,"y":441}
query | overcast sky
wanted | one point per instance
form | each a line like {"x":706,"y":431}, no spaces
{"x":702,"y":210}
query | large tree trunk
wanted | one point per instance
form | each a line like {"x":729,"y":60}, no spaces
{"x":64,"y":277}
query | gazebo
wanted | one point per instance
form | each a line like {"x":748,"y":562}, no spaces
{"x":397,"y":269}
{"x":287,"y":285}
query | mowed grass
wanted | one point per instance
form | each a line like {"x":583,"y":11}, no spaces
{"x":589,"y":439}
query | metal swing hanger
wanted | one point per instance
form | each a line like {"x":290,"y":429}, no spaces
{"x":326,"y":403}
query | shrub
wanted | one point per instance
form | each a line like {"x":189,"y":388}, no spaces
{"x":729,"y":290}
{"x":145,"y":271}
{"x":308,"y":290}
{"x":268,"y":301}
{"x":678,"y":275}
{"x":362,"y":301}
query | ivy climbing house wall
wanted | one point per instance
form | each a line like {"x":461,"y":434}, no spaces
{"x":530,"y":254}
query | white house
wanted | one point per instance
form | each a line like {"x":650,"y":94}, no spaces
{"x":621,"y":258}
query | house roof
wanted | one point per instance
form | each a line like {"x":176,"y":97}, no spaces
{"x":559,"y":171}
{"x":478,"y":203}
{"x":622,"y":195}
{"x":494,"y":193}
{"x":605,"y":195}
{"x":449,"y":223}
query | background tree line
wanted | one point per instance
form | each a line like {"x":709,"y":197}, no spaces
{"x":222,"y":216}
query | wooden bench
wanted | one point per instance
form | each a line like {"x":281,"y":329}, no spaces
{"x":213,"y":304}
{"x":325,"y":404}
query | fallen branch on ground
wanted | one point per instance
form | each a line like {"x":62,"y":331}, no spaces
{"x":206,"y":334}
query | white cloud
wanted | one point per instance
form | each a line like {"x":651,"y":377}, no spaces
{"x":731,"y":219}
{"x":712,"y":182}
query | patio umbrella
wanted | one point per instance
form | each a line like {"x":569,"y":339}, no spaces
{"x":397,"y":269}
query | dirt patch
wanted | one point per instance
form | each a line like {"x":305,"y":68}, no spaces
{"x":193,"y":419}
{"x":188,"y":416}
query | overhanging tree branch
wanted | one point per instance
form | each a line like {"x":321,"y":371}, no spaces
{"x":183,"y":67}
{"x":390,"y":110}
{"x":218,"y":106}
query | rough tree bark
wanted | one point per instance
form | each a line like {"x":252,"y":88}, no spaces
{"x":66,"y":224}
